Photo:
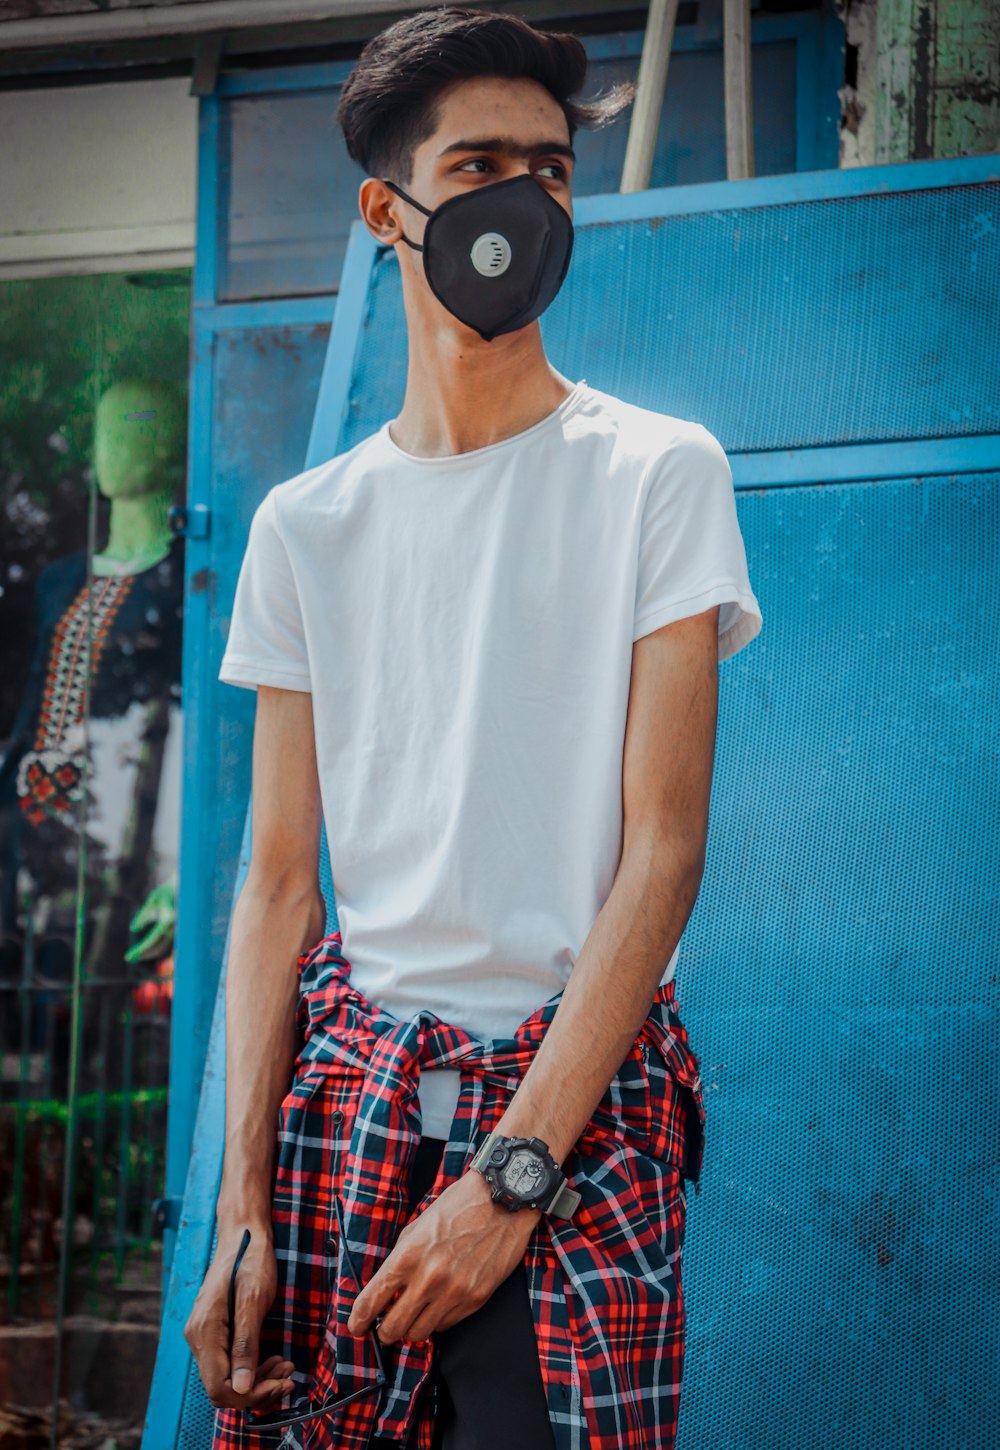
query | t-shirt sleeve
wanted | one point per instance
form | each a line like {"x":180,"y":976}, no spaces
{"x":691,"y":551}
{"x":267,"y":643}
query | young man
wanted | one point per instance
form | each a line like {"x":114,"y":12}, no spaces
{"x":485,"y":643}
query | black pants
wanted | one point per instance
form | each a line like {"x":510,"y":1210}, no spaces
{"x":490,"y":1390}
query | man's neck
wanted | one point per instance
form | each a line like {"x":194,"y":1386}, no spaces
{"x":460,"y":397}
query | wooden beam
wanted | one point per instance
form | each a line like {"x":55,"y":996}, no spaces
{"x":737,"y":89}
{"x":651,"y":86}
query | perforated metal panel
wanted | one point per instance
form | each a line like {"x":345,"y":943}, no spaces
{"x":838,"y":977}
{"x":198,"y":1414}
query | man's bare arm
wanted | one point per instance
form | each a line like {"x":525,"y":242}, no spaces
{"x":666,"y":783}
{"x":278,"y":914}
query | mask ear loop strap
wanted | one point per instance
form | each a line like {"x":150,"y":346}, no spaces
{"x":400,"y":192}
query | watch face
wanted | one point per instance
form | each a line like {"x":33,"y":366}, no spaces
{"x":523,"y":1174}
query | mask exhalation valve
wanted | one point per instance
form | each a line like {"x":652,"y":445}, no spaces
{"x":491,"y":254}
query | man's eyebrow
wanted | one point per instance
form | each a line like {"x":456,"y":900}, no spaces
{"x":505,"y":146}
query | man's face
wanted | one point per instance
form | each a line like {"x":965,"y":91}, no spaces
{"x":490,"y":129}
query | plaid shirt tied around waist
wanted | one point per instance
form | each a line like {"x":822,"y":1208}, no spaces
{"x":605,"y":1285}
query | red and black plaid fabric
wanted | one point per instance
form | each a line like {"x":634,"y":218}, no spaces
{"x":605,"y":1286}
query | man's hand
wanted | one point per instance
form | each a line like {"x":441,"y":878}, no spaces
{"x":235,"y":1380}
{"x":445,"y":1264}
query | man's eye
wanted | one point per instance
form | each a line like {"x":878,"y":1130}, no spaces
{"x":560,"y":170}
{"x":476,"y":161}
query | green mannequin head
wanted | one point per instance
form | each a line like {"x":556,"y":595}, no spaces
{"x":140,"y":436}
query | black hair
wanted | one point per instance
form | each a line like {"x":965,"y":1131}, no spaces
{"x":390,"y":102}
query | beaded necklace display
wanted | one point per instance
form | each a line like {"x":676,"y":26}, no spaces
{"x":50,"y":777}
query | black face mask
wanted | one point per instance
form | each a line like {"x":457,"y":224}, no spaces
{"x":497,"y":256}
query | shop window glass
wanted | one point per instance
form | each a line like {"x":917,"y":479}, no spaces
{"x":93,"y":443}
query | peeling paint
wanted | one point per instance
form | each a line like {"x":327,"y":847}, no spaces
{"x":921,"y":80}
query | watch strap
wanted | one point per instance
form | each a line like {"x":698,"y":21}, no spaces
{"x":565,"y":1201}
{"x":482,"y":1154}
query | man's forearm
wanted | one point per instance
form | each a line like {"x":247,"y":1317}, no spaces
{"x":271,"y":926}
{"x":607,"y":998}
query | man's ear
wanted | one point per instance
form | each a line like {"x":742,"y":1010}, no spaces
{"x":376,"y":204}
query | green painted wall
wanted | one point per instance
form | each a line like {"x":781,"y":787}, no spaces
{"x":936,"y":79}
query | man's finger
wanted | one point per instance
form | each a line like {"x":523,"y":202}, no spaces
{"x":273,"y":1376}
{"x":274,"y":1363}
{"x":383,"y":1284}
{"x":263,"y":1394}
{"x":272,"y":1381}
{"x":245,"y":1346}
{"x":410,"y":1306}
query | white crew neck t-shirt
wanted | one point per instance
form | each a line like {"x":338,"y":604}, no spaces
{"x":465,"y":626}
